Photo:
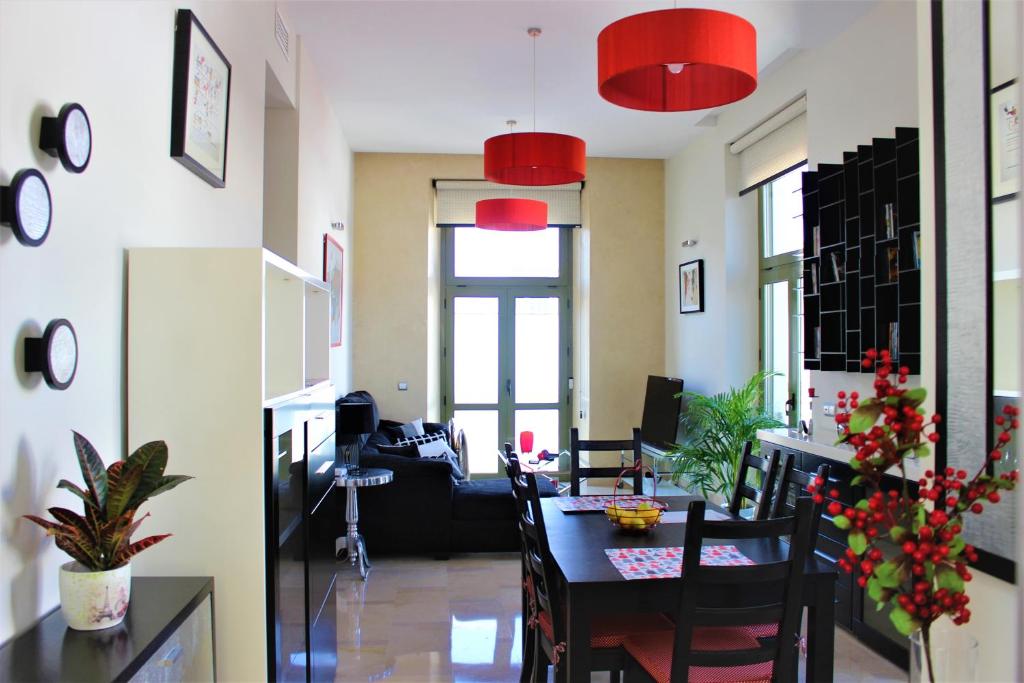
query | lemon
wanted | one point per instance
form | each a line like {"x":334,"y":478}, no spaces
{"x":644,"y":506}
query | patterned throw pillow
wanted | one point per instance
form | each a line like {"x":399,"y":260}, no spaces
{"x":439,"y":450}
{"x":418,"y":440}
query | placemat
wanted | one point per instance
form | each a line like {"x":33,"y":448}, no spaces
{"x":667,"y":563}
{"x":572,"y":504}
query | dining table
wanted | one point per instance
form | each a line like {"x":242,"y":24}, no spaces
{"x":592,"y":585}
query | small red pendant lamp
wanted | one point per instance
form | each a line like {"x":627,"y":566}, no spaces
{"x":677,"y":60}
{"x":535,"y":158}
{"x":511,"y":214}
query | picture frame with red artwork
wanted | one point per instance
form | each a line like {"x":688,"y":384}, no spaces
{"x":334,"y":276}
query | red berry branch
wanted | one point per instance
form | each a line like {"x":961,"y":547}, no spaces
{"x":926,"y":579}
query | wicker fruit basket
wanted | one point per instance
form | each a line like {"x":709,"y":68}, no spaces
{"x":635,"y":516}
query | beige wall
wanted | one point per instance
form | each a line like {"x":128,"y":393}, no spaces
{"x":625,"y":200}
{"x":397,"y":290}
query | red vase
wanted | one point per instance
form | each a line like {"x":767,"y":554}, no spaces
{"x":526,"y":442}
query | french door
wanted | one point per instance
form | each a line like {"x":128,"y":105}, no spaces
{"x":507,"y":356}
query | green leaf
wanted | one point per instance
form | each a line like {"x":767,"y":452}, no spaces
{"x":857,"y":480}
{"x":841,"y":522}
{"x":93,"y":471}
{"x":858,"y":541}
{"x":151,"y":459}
{"x":888,"y":574}
{"x":169,"y":482}
{"x":916,"y":396}
{"x":956,"y":546}
{"x":920,"y":515}
{"x":862,"y":504}
{"x":77,"y":490}
{"x":903,"y":622}
{"x":876,"y":592}
{"x":73,"y":519}
{"x":123,"y":490}
{"x":864,"y":417}
{"x":897,"y":533}
{"x":947,"y":577}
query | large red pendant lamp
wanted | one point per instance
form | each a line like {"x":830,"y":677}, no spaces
{"x":511,"y":214}
{"x":677,"y":60}
{"x":535,"y":158}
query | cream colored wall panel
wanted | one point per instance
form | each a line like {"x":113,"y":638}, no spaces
{"x":195,"y":362}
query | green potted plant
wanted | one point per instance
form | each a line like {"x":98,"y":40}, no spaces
{"x":96,"y":585}
{"x":716,"y":429}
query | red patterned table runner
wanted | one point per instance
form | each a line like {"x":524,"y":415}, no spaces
{"x":667,"y":563}
{"x":595,"y":503}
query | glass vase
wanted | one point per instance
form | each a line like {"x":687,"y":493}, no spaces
{"x":954,"y":657}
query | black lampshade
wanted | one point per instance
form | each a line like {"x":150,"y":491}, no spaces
{"x":355,"y":418}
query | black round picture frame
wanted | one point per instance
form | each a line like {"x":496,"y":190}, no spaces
{"x":63,"y":135}
{"x":40,"y":351}
{"x":25,"y":204}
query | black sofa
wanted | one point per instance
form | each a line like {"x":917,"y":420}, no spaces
{"x":423,"y":510}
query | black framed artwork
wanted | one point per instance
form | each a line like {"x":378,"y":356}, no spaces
{"x":199,"y":102}
{"x":1005,"y":140}
{"x":691,"y":286}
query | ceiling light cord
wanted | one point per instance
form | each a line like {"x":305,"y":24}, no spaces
{"x":533,"y":33}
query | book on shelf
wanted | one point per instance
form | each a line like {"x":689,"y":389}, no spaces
{"x":837,"y":266}
{"x":890,"y":222}
{"x":917,"y":248}
{"x":817,"y":240}
{"x":894,"y":339}
{"x":892,"y":257}
{"x":817,"y":342}
{"x":814,"y":278}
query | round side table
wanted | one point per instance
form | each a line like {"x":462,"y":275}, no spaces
{"x":355,"y":548}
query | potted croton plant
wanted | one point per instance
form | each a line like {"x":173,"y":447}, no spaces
{"x":95,"y":587}
{"x":926,"y":579}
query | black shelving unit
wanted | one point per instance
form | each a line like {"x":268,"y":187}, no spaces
{"x":862,"y":282}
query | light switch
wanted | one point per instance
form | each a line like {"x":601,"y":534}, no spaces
{"x":403,"y":386}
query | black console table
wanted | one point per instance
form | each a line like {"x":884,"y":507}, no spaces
{"x":167,"y":634}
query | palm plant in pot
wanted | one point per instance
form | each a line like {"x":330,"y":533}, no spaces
{"x":717,"y":427}
{"x":95,"y":587}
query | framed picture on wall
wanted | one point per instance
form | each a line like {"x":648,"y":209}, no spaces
{"x":199,"y":101}
{"x":1004,"y":107}
{"x":691,"y":286}
{"x":334,"y":276}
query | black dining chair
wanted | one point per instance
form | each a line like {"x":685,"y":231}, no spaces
{"x":546,"y":613}
{"x":792,"y":485}
{"x":715,"y":643}
{"x":510,"y":461}
{"x":758,"y":493}
{"x":576,"y":473}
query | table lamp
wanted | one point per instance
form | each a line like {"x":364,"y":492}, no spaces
{"x":353,"y":420}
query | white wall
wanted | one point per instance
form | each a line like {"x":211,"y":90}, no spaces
{"x":115,"y":59}
{"x":861,"y":85}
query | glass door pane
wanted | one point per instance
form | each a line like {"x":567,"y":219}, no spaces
{"x":776,"y":346}
{"x":475,"y":349}
{"x":537,"y":350}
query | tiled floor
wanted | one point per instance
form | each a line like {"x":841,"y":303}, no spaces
{"x":428,"y":620}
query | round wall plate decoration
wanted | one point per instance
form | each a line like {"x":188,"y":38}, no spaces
{"x":55,"y":354}
{"x":68,"y":136}
{"x":26,"y":206}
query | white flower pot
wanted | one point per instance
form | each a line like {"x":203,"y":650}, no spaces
{"x":94,"y":600}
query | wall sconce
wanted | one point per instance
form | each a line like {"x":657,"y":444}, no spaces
{"x":337,"y":225}
{"x":688,"y":243}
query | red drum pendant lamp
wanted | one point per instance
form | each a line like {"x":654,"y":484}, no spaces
{"x":677,"y":60}
{"x":512,"y":214}
{"x":535,"y":158}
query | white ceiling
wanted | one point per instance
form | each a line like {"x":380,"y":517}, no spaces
{"x":443,"y":75}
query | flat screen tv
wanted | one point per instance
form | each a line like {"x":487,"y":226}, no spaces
{"x":661,"y":410}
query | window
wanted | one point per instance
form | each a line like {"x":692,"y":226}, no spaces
{"x":781,"y":231}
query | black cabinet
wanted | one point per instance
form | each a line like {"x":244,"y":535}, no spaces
{"x":302,"y":524}
{"x":854,"y":610}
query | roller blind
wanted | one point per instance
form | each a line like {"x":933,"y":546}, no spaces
{"x":456,"y":201}
{"x":774,"y":147}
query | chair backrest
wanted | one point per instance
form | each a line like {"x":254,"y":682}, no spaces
{"x":792,"y":485}
{"x":576,"y":473}
{"x":760,"y":494}
{"x":538,"y":561}
{"x":766,"y":593}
